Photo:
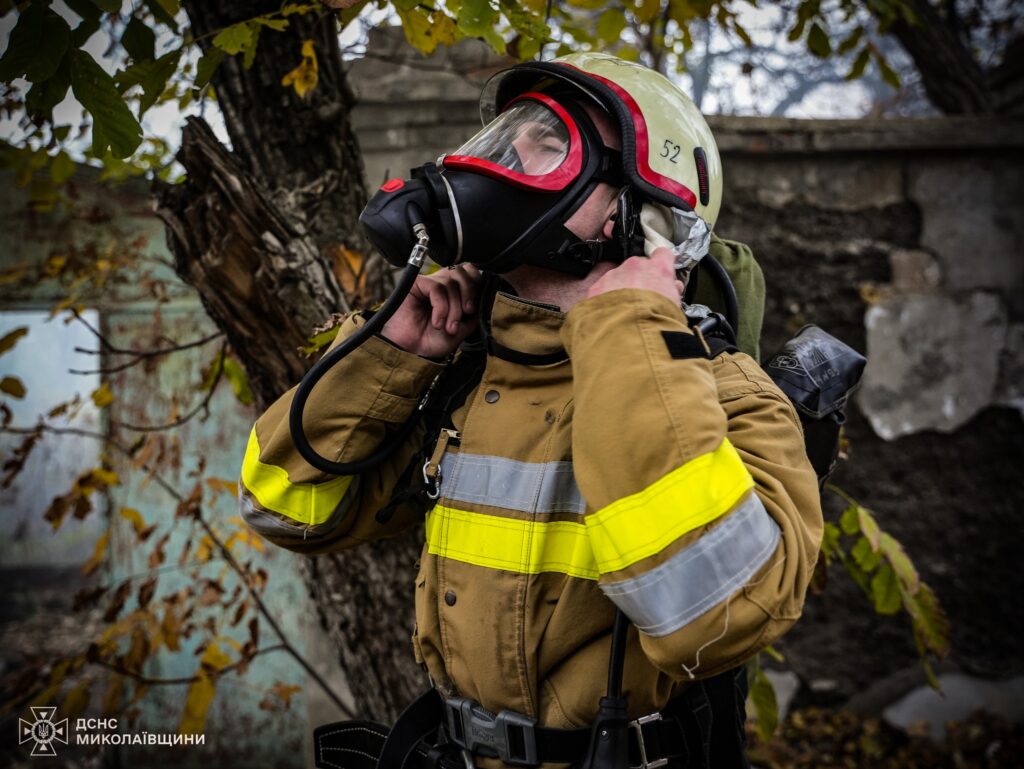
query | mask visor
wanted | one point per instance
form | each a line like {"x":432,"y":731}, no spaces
{"x":533,"y":144}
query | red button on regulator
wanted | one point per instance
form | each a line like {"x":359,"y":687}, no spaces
{"x":392,"y":184}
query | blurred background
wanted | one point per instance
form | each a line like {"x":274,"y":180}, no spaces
{"x":159,"y":275}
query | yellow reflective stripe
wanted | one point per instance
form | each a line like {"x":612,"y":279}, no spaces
{"x":645,"y":523}
{"x":509,"y":544}
{"x":309,"y":503}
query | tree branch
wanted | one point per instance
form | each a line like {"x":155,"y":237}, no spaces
{"x":204,"y":405}
{"x":120,"y":669}
{"x":242,"y":573}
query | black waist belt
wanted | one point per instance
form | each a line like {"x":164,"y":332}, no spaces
{"x":417,"y":742}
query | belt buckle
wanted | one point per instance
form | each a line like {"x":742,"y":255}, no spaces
{"x":638,"y":727}
{"x":509,"y":734}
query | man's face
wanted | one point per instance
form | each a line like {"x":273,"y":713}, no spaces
{"x":593,"y":220}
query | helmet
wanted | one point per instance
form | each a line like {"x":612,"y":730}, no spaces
{"x":503,"y":198}
{"x":668,"y":152}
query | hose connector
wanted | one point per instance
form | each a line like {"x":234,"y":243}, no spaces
{"x":419,"y":252}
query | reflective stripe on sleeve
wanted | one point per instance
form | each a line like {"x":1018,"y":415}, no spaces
{"x":307,"y":503}
{"x":642,"y":524}
{"x":702,"y":575}
{"x":510,"y":544}
{"x":541,"y":487}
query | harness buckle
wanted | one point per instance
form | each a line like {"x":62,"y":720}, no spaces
{"x":508,"y":736}
{"x":638,"y":727}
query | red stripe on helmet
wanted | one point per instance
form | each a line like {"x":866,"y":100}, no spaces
{"x":647,"y":173}
{"x":553,"y":181}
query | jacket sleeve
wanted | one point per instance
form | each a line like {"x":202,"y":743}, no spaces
{"x":353,"y":408}
{"x":703,"y":511}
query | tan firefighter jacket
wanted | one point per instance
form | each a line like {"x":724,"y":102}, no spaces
{"x":637,"y":474}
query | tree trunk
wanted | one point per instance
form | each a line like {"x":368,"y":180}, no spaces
{"x":254,"y":230}
{"x":953,"y":80}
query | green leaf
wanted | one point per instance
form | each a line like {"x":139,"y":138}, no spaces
{"x":901,"y":563}
{"x":885,"y":590}
{"x":851,"y":41}
{"x":249,"y":56}
{"x":888,"y":73}
{"x":90,"y":22}
{"x":320,"y":340}
{"x":43,"y":97}
{"x":277,"y":24}
{"x":477,"y":18}
{"x":818,"y":42}
{"x":865,"y":556}
{"x":763,"y":704}
{"x":236,"y":38}
{"x":113,"y":125}
{"x":62,"y":168}
{"x":139,"y":40}
{"x":12,"y":386}
{"x":610,"y":25}
{"x":207,"y":66}
{"x":8,"y":340}
{"x":859,"y":64}
{"x":108,"y":6}
{"x":848,"y":520}
{"x":869,"y":527}
{"x":931,"y":626}
{"x":36,"y":46}
{"x":347,"y":14}
{"x":164,"y":11}
{"x":830,"y":541}
{"x":22,"y":44}
{"x":646,"y":10}
{"x":419,"y":31}
{"x":235,"y":374}
{"x":151,"y":75}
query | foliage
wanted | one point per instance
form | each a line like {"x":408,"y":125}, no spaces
{"x":825,"y":739}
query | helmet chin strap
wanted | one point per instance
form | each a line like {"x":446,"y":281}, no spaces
{"x":578,"y":257}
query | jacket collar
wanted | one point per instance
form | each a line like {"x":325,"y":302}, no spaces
{"x":526,"y":326}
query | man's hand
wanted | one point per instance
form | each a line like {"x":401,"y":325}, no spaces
{"x":655,"y":273}
{"x":441,"y":310}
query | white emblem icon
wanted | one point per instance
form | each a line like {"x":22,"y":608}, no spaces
{"x":44,"y":731}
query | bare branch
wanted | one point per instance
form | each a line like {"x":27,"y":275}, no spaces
{"x":184,"y":680}
{"x":203,"y":406}
{"x":242,"y":573}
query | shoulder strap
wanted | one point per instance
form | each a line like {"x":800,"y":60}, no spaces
{"x":456,"y":383}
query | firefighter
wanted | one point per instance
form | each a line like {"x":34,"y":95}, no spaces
{"x":607,"y":457}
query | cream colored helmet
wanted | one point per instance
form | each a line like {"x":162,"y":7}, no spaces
{"x":668,"y":151}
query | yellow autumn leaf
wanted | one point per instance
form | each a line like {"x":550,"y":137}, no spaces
{"x":106,"y":477}
{"x":202,"y":690}
{"x":305,"y":76}
{"x":97,"y":555}
{"x":135,"y":517}
{"x":102,"y":396}
{"x":12,"y":386}
{"x":218,"y":485}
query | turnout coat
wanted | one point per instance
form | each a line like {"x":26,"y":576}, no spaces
{"x":640,"y":473}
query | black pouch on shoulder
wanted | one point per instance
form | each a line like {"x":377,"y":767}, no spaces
{"x":818,"y":373}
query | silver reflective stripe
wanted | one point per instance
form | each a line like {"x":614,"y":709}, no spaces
{"x":530,"y":487}
{"x":702,"y":575}
{"x":272,"y":525}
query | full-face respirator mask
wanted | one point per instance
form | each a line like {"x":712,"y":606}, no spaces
{"x":504,"y":197}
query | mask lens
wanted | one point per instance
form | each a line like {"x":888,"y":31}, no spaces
{"x":528,"y":138}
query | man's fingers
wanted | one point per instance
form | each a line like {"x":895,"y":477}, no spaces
{"x":437,"y":295}
{"x":469,"y":285}
{"x":454,"y":293}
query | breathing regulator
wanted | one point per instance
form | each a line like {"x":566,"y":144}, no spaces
{"x":503,"y":198}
